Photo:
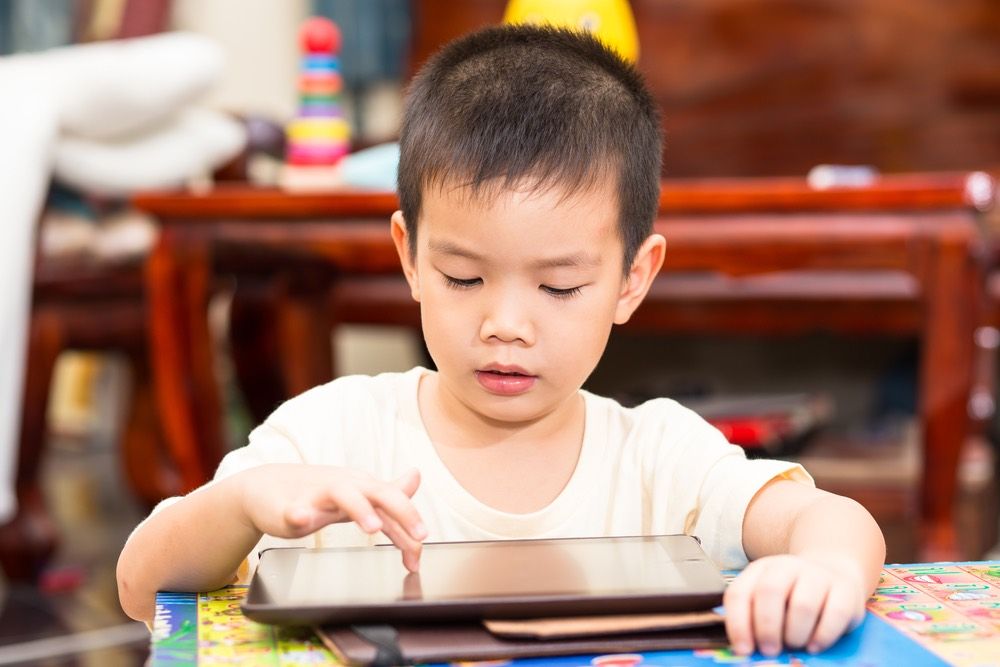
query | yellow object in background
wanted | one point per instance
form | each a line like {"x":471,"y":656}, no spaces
{"x":72,"y":406}
{"x":611,"y":21}
{"x":318,"y":129}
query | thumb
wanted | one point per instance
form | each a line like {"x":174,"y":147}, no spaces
{"x":408,"y":481}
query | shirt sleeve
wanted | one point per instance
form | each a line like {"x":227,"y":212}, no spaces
{"x":726,"y":492}
{"x":268,"y":443}
{"x":702,"y":484}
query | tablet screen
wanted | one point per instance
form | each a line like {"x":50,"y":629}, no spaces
{"x":453,"y":572}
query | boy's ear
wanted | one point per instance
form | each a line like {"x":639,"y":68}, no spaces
{"x":645,"y":268}
{"x":400,"y":237}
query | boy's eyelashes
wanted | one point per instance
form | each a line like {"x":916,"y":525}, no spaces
{"x":466,"y":283}
{"x":461,"y":283}
{"x":560,"y":293}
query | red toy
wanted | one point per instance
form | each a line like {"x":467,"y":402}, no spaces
{"x":319,"y":35}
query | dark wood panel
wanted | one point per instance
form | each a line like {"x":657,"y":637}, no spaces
{"x":767,"y":87}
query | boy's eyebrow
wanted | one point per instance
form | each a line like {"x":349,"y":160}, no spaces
{"x":574,"y":259}
{"x":449,"y":248}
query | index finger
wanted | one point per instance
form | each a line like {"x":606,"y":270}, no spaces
{"x":409,"y":547}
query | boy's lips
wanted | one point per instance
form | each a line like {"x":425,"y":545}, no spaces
{"x":505,"y":380}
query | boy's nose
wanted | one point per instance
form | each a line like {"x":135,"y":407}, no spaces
{"x":507,"y":320}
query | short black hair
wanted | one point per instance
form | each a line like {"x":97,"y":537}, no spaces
{"x":549,"y":104}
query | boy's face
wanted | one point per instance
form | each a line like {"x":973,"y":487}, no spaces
{"x":518,"y":293}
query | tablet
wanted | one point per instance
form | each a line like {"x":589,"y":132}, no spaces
{"x":477,"y":580}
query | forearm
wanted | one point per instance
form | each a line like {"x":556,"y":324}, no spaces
{"x":196,"y":544}
{"x":817,"y":558}
{"x":841,"y":533}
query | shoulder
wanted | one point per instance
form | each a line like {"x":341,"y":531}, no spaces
{"x":328,"y":424}
{"x":655,"y":420}
{"x":350,"y":396}
{"x":662,"y":437}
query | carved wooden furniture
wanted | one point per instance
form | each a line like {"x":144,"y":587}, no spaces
{"x":907,"y":250}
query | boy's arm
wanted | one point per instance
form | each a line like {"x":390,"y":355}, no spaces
{"x":817,"y":558}
{"x":198,"y":542}
{"x":194,"y":544}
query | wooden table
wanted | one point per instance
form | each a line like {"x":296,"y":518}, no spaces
{"x":924,"y":228}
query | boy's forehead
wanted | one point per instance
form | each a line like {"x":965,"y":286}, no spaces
{"x":458,"y":220}
{"x":581,"y":256}
{"x":524,"y":194}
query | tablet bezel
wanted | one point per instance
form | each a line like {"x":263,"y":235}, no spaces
{"x":704,"y":593}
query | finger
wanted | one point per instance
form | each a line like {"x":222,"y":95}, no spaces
{"x":804,"y":605}
{"x":304,"y":519}
{"x":838,"y":613}
{"x":348,"y":501}
{"x":399,"y":506}
{"x":408,"y":481}
{"x":323,"y":501}
{"x":739,"y":626}
{"x":299,"y":519}
{"x":768,"y":606}
{"x":409,"y":547}
{"x":396,"y":535}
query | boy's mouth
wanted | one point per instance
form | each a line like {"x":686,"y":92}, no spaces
{"x":505,"y":380}
{"x":505,"y":370}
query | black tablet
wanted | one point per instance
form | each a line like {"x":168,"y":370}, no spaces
{"x":476,"y":580}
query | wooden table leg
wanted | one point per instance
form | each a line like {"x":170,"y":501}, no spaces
{"x":280,"y":340}
{"x":145,"y":459}
{"x":28,"y":540}
{"x":952,"y":284}
{"x":255,"y":345}
{"x":178,"y":280}
{"x":304,"y":328}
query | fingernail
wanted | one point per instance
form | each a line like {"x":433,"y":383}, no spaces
{"x":813,"y":648}
{"x":743,"y":649}
{"x":371,"y":523}
{"x":770,"y":650}
{"x":419,"y":531}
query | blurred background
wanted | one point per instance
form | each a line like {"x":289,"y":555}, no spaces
{"x":814,"y":112}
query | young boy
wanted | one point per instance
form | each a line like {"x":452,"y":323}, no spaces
{"x":529,"y":180}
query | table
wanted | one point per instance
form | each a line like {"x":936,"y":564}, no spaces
{"x":922,"y":614}
{"x":922,"y":226}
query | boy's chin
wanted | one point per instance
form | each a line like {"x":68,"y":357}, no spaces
{"x":512,"y":410}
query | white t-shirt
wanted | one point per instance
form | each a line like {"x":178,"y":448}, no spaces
{"x":654,"y":469}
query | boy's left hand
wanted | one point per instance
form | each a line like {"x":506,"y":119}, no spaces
{"x":793,"y":601}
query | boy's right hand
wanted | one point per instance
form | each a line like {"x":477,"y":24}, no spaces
{"x":293,"y":500}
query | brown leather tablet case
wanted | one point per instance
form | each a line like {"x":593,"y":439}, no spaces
{"x":407,"y":644}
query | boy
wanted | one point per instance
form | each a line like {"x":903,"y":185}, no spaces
{"x":529,"y":179}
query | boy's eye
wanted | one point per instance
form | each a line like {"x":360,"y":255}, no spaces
{"x":461,"y":283}
{"x":566,"y":293}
